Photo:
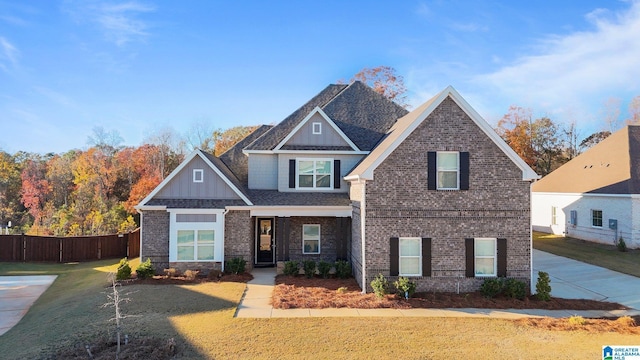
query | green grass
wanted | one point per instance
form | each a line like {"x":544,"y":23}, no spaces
{"x":200,"y":319}
{"x":607,"y":256}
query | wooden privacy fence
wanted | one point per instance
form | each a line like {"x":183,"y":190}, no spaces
{"x":67,"y":249}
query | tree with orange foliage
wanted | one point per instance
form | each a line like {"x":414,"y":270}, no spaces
{"x":515,"y":129}
{"x":385,"y":81}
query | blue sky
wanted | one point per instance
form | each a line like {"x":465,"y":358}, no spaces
{"x":138,"y":66}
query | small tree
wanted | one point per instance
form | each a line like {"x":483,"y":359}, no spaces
{"x":543,"y":286}
{"x":380,"y":286}
{"x":124,"y":270}
{"x":115,"y":301}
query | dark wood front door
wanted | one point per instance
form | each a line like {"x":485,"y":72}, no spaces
{"x":264,"y":241}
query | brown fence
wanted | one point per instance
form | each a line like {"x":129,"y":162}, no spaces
{"x":68,"y":249}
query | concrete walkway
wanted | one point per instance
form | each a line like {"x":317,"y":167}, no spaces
{"x":569,"y":279}
{"x":17,"y":294}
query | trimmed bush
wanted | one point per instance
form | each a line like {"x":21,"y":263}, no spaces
{"x":145,"y":270}
{"x":515,"y":288}
{"x":309,"y":267}
{"x":324,"y":268}
{"x":621,"y":245}
{"x":124,"y":270}
{"x":191,"y":274}
{"x":237,"y":265}
{"x":491,"y":288}
{"x":380,"y":286}
{"x":405,"y":287}
{"x":291,"y":268}
{"x":343,"y":269}
{"x":543,"y":286}
{"x":577,"y":320}
{"x":171,"y":272}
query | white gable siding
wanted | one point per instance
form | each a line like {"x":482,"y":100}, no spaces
{"x":622,"y":208}
{"x":305,"y":136}
{"x":347,"y":162}
{"x":263,"y":172}
{"x":182,"y":185}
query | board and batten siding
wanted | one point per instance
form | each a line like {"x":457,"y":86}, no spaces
{"x":182,"y":185}
{"x":263,"y":174}
{"x":305,"y":136}
{"x":347,"y":162}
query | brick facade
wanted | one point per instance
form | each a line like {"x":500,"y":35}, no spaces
{"x":496,"y":205}
{"x":327,"y":239}
{"x":154,"y":238}
{"x":238,"y":236}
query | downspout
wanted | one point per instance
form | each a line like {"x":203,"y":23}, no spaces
{"x":531,"y":285}
{"x":224,"y":218}
{"x":140,"y":245}
{"x":362,"y":235}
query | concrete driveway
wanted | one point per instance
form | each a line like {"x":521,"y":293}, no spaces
{"x":17,"y":294}
{"x":573,"y":279}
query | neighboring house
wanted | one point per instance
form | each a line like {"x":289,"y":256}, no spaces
{"x":433,"y":194}
{"x":595,"y":196}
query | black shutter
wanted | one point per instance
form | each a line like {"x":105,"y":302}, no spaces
{"x":426,"y":256}
{"x":432,"y":172}
{"x":470,"y":270}
{"x":502,"y":257}
{"x":292,"y":173}
{"x":336,"y":174}
{"x":394,"y":256}
{"x":464,"y":171}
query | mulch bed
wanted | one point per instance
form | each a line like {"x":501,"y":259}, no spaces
{"x":316,"y":293}
{"x":181,"y":280}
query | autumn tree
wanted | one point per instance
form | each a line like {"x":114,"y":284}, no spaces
{"x":11,"y":207}
{"x":594,"y":139}
{"x":35,"y":188}
{"x":547,"y":145}
{"x":385,"y":81}
{"x":515,"y":129}
{"x":225,"y":139}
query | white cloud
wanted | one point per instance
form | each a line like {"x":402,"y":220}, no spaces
{"x":8,"y":55}
{"x":569,"y":73}
{"x":55,"y":96}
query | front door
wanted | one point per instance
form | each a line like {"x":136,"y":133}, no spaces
{"x":264,"y":241}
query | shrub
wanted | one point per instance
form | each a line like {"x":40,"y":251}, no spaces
{"x":324,"y":268}
{"x":576,"y":320}
{"x":543,"y":286}
{"x":191,"y":274}
{"x":491,"y":288}
{"x":236,"y":265}
{"x":621,"y":245}
{"x":171,"y":272}
{"x":291,"y":268}
{"x":626,"y":321}
{"x":343,"y":269}
{"x":214,"y":275}
{"x":309,"y":267}
{"x":342,"y":290}
{"x":405,"y":287}
{"x":380,"y":286}
{"x":124,"y":270}
{"x":514,"y":288}
{"x":145,"y":270}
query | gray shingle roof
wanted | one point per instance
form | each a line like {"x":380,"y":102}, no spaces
{"x":226,"y":172}
{"x":236,"y":161}
{"x":195,"y":203}
{"x":361,"y":113}
{"x":273,"y":197}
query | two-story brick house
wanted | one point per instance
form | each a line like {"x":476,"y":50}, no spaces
{"x":433,"y":194}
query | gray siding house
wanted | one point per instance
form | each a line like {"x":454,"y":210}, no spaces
{"x":433,"y":194}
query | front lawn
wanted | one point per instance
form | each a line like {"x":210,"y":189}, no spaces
{"x":607,"y":256}
{"x":199,"y":320}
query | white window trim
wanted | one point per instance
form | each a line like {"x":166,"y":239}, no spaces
{"x":400,"y":256}
{"x":554,"y":215}
{"x":316,"y":128}
{"x":198,"y":175}
{"x":217,"y":227}
{"x":319,"y":238}
{"x":494,"y":257}
{"x":601,"y":219}
{"x":457,"y":170}
{"x":314,"y":188}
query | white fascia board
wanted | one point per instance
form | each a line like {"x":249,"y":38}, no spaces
{"x":333,"y":125}
{"x":294,"y":211}
{"x":166,"y":180}
{"x":195,"y":211}
{"x":331,"y":152}
{"x":225,"y":179}
{"x":633,"y":196}
{"x":150,"y":207}
{"x":247,"y":152}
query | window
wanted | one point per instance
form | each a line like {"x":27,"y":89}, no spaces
{"x":311,"y":239}
{"x":448,"y":170}
{"x":410,"y":257}
{"x":315,"y":174}
{"x":574,"y":217}
{"x":554,"y":215}
{"x":596,"y":218}
{"x":198,"y":175}
{"x":485,"y":256}
{"x":316,"y":128}
{"x":194,"y":245}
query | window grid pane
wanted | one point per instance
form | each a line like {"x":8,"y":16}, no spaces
{"x":447,"y":167}
{"x":314,"y":174}
{"x":596,"y":216}
{"x":485,"y":257}
{"x":410,"y":254}
{"x":410,"y":265}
